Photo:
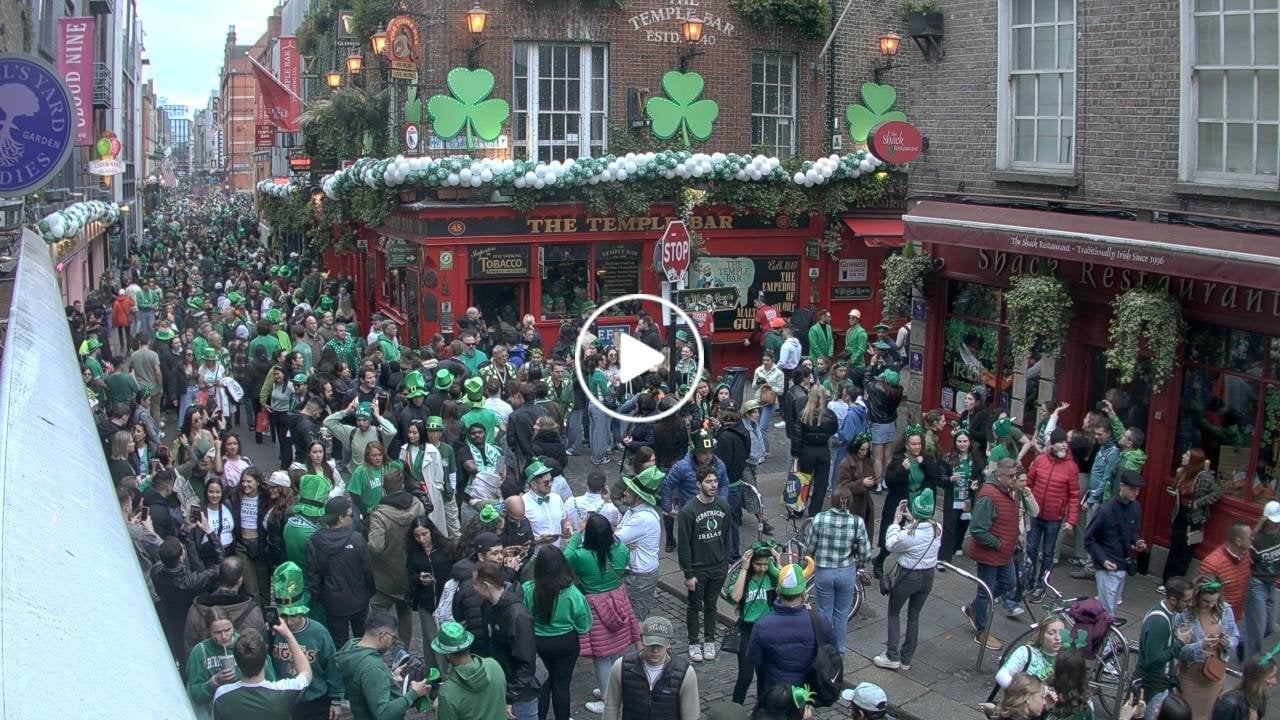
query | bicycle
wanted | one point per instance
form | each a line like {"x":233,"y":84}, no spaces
{"x":1109,"y":670}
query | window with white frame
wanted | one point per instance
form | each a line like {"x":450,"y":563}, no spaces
{"x":561,"y":95}
{"x":773,"y":102}
{"x":1231,"y":91}
{"x":1038,"y":58}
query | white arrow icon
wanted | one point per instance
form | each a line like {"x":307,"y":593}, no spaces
{"x":635,"y":358}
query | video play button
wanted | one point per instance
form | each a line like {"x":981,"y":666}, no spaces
{"x":635,"y":358}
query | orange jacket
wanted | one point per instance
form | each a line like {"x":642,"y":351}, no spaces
{"x":120,"y":309}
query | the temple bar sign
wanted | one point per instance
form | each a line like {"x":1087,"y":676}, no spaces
{"x":660,"y":23}
{"x":537,"y":226}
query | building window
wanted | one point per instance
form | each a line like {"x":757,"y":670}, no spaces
{"x":561,"y":98}
{"x":773,"y":102}
{"x":1230,"y":409}
{"x":1037,"y":57}
{"x":1231,"y":91}
{"x":976,"y":355}
{"x":48,"y":21}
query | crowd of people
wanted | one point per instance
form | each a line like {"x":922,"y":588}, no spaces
{"x":305,"y":494}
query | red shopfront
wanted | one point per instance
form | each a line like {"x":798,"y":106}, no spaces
{"x":1225,"y":393}
{"x":426,"y":266}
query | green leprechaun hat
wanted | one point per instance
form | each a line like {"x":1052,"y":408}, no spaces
{"x":646,"y":484}
{"x":702,"y":441}
{"x":475,"y":391}
{"x":452,"y":638}
{"x":444,"y":379}
{"x":536,"y":469}
{"x":290,"y":590}
{"x":414,"y":385}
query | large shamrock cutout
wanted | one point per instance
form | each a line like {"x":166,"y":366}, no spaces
{"x":683,"y":110}
{"x":467,"y":108}
{"x":877,"y":99}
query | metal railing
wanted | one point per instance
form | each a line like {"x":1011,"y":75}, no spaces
{"x":991,"y":602}
{"x":102,"y":84}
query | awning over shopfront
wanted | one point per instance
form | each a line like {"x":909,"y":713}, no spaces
{"x":876,"y":232}
{"x":1160,"y":248}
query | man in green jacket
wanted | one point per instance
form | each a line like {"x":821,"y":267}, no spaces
{"x":476,"y":688}
{"x":821,"y":343}
{"x":855,"y":340}
{"x":372,"y":689}
{"x":313,"y":492}
{"x":1160,"y":643}
{"x":323,"y":697}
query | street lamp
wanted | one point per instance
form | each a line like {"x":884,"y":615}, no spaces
{"x":334,"y":79}
{"x":691,"y":31}
{"x":889,"y":43}
{"x":355,"y":61}
{"x":476,"y":19}
{"x":379,"y":41}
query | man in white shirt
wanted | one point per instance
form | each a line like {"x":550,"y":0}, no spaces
{"x":493,"y":400}
{"x":542,"y":508}
{"x":789,"y":353}
{"x":641,"y":531}
{"x":594,"y":500}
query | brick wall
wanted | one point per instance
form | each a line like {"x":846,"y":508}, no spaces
{"x":857,"y":53}
{"x":1127,"y":109}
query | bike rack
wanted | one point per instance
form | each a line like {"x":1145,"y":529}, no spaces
{"x":991,"y":609}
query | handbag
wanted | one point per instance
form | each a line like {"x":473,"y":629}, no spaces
{"x":768,"y":396}
{"x":262,"y":423}
{"x":732,"y":642}
{"x":1195,"y":536}
{"x":1214,"y":668}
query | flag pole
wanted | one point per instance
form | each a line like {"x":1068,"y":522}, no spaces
{"x":264,"y":69}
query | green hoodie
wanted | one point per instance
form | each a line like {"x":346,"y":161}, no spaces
{"x":475,"y":691}
{"x":317,"y":643}
{"x":204,"y":662}
{"x":373,"y":692}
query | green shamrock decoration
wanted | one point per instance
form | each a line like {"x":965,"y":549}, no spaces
{"x":467,"y":108}
{"x":682,"y":111}
{"x":877,"y":99}
{"x":413,"y":105}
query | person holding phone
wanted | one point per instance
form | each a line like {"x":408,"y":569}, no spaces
{"x":212,"y":663}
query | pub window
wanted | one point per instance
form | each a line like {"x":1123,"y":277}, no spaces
{"x":560,"y":100}
{"x":773,"y":102}
{"x":976,"y":355}
{"x":1037,"y":96}
{"x":566,"y":274}
{"x":1231,"y":91}
{"x":1230,"y":409}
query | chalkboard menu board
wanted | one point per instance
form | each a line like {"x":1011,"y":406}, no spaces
{"x":777,"y":277}
{"x":618,"y":268}
{"x":498,"y":261}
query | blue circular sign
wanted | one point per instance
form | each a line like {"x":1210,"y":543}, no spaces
{"x":37,"y":124}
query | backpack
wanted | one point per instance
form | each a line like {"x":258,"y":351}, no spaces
{"x":826,"y":676}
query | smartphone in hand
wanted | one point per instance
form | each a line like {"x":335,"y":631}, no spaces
{"x":271,"y":614}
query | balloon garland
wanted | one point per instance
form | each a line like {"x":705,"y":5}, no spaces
{"x":70,"y":221}
{"x":464,"y":171}
{"x":271,"y":189}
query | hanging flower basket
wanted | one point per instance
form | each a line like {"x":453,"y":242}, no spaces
{"x":1039,"y":314}
{"x":1149,"y":314}
{"x":902,"y":274}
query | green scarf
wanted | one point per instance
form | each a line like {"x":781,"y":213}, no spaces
{"x":916,"y":474}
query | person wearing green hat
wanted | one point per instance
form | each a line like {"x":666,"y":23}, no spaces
{"x":281,"y":333}
{"x":370,"y":426}
{"x":371,"y":688}
{"x":148,"y":302}
{"x":641,"y":530}
{"x":476,"y":687}
{"x":749,"y":588}
{"x":90,"y":349}
{"x":313,"y":492}
{"x":782,"y":644}
{"x":478,"y":412}
{"x":916,"y":537}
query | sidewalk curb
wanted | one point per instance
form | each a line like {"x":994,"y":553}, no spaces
{"x":894,"y":710}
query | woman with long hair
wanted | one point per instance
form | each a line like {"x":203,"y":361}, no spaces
{"x":601,"y":433}
{"x":752,"y":589}
{"x":424,"y":471}
{"x":965,"y":464}
{"x":277,"y":507}
{"x":1195,"y":490}
{"x":1249,"y":700}
{"x":248,"y":505}
{"x":910,"y":471}
{"x":194,"y":439}
{"x":122,"y":448}
{"x":1024,"y":698}
{"x":318,"y":462}
{"x":217,"y":522}
{"x":839,"y":543}
{"x":232,"y":464}
{"x":1213,"y":635}
{"x":883,"y":395}
{"x":560,"y":616}
{"x":1069,"y":685}
{"x":171,"y":364}
{"x":857,"y":472}
{"x":1037,"y":657}
{"x":916,"y":537}
{"x":815,"y":426}
{"x":277,"y":396}
{"x":144,"y":451}
{"x":599,"y":560}
{"x":428,"y":561}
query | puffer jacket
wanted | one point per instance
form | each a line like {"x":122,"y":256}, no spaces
{"x":783,"y":645}
{"x":511,"y":644}
{"x":733,"y":445}
{"x":1055,"y":484}
{"x":241,"y":606}
{"x":469,"y":608}
{"x":681,"y":479}
{"x":388,"y":527}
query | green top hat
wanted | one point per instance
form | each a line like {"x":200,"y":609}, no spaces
{"x":268,"y":286}
{"x":289,"y":589}
{"x":414,"y":385}
{"x":474,"y":387}
{"x":702,"y":441}
{"x":791,"y":581}
{"x":208,"y":354}
{"x":299,"y":379}
{"x":452,"y":638}
{"x":536,"y":469}
{"x":165,"y":335}
{"x":882,"y":325}
{"x":682,"y":336}
{"x":922,"y":505}
{"x":444,"y":379}
{"x":435,"y":422}
{"x":274,"y":270}
{"x":646,"y":484}
{"x":364,"y":411}
{"x":235,"y":298}
{"x":89,"y":345}
{"x":488,"y":514}
{"x":313,"y":491}
{"x":196,"y":303}
{"x":273,"y":315}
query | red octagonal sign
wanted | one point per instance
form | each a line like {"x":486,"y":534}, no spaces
{"x":674,"y":254}
{"x":896,"y":142}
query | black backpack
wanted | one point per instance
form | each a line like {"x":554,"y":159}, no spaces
{"x":826,"y":676}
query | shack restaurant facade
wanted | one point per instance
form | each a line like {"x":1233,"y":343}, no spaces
{"x":431,"y":261}
{"x":1224,"y":396}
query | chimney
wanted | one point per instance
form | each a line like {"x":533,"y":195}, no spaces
{"x":273,"y":26}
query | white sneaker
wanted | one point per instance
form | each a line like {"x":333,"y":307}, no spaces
{"x":708,"y":651}
{"x":695,"y":652}
{"x":595,"y":693}
{"x":780,"y":424}
{"x":596,"y":707}
{"x":882,"y":661}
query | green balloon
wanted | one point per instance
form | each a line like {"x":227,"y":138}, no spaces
{"x":103,"y":146}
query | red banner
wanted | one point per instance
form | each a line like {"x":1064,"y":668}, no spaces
{"x":276,"y":102}
{"x":75,"y":63}
{"x":291,"y":75}
{"x":264,"y":136}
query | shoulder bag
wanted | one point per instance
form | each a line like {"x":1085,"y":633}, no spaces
{"x":889,"y":579}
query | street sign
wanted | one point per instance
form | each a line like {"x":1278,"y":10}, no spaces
{"x":412,"y":135}
{"x":675,"y":254}
{"x":715,"y":299}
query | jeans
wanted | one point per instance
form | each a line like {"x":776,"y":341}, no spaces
{"x":640,"y":590}
{"x":766,"y":415}
{"x":146,"y":320}
{"x":1042,"y":538}
{"x":526,"y":710}
{"x":834,"y":587}
{"x":427,"y":623}
{"x":1153,"y":705}
{"x":601,"y":438}
{"x":701,"y":603}
{"x":559,"y":654}
{"x":1259,"y":616}
{"x":911,"y":589}
{"x":1000,"y":579}
{"x":573,"y":431}
{"x":344,"y":627}
{"x":603,"y":666}
{"x":1110,"y":587}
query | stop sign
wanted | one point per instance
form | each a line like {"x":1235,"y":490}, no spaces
{"x":674,"y":251}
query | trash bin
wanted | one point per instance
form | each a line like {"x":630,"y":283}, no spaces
{"x":737,"y":377}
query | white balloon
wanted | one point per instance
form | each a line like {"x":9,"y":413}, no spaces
{"x":539,"y":184}
{"x":453,"y":179}
{"x":621,"y":174}
{"x":798,"y":178}
{"x":486,"y":175}
{"x":530,"y":177}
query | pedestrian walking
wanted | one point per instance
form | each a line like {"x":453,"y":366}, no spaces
{"x":1112,"y":535}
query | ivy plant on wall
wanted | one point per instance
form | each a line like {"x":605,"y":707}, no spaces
{"x":903,"y":272}
{"x":681,"y":111}
{"x":467,"y":109}
{"x":1039,"y":314}
{"x":808,"y":18}
{"x":1150,"y":314}
{"x":877,"y":101}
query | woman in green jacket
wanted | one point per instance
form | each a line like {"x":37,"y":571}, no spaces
{"x":560,"y":615}
{"x":212,"y":663}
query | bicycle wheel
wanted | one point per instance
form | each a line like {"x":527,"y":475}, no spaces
{"x":856,"y":605}
{"x":1109,"y":677}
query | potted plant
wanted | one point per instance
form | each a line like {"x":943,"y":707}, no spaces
{"x":924,"y":19}
{"x":1147,"y":314}
{"x":903,"y":272}
{"x":1039,"y":314}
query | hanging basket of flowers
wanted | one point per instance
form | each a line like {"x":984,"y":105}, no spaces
{"x":1149,"y":314}
{"x":1038,"y":309}
{"x":902,"y":274}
